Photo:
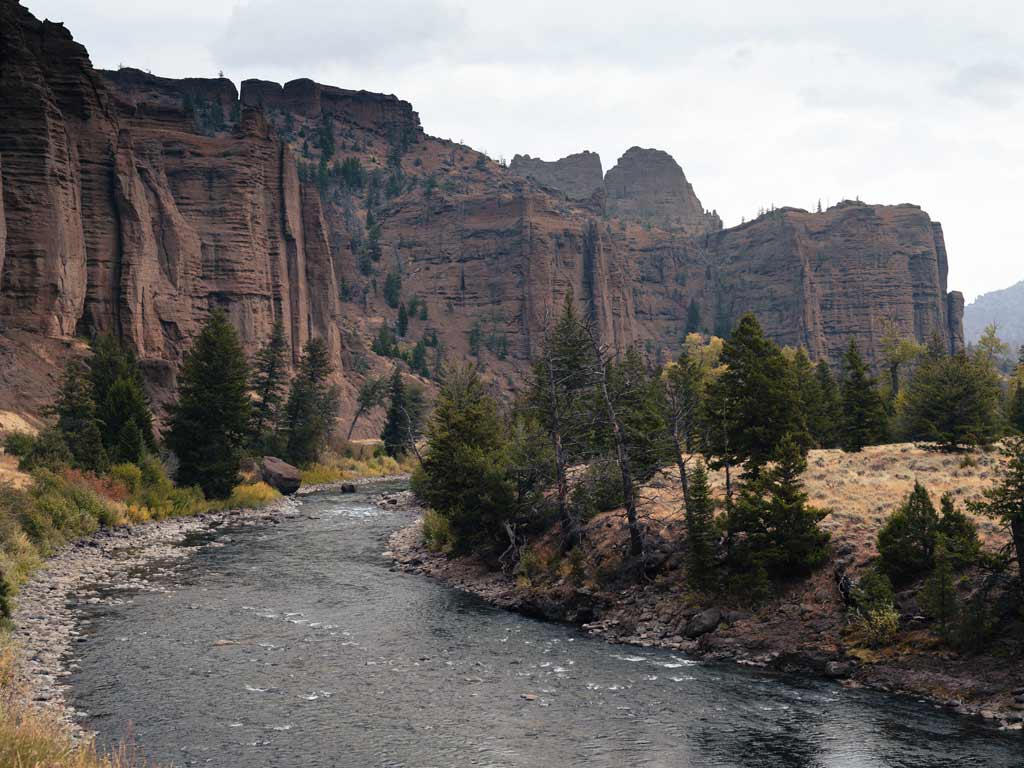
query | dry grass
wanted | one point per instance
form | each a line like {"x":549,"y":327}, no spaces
{"x":861,"y":490}
{"x":31,"y":737}
{"x":336,"y":468}
{"x":9,"y":472}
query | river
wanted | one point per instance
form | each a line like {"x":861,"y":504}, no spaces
{"x":297,"y":645}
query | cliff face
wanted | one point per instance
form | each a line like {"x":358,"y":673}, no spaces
{"x":1005,"y":308}
{"x":135,"y":204}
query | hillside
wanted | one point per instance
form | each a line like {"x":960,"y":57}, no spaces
{"x":1005,"y":308}
{"x":134,"y":204}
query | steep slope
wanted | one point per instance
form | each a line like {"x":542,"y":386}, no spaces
{"x":1005,"y":308}
{"x":135,"y":204}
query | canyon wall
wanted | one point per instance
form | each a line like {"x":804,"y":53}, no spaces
{"x":134,"y":205}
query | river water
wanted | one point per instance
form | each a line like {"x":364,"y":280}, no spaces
{"x":296,"y":645}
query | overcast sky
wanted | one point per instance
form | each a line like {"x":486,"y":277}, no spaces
{"x":761,"y":103}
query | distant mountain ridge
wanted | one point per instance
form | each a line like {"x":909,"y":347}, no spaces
{"x":1005,"y":308}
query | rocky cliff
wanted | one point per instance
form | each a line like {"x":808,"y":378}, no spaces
{"x":135,"y":204}
{"x":1005,"y":308}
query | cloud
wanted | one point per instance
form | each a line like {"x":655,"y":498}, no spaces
{"x":995,"y":84}
{"x":377,"y":33}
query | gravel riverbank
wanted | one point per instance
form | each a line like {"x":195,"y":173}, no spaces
{"x":786,"y":638}
{"x":102,"y":568}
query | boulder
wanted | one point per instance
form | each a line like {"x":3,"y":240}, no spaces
{"x":703,"y":622}
{"x":280,"y":474}
{"x":348,"y":488}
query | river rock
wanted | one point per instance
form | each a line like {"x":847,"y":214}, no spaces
{"x":703,"y":622}
{"x":838,"y":669}
{"x":280,"y":474}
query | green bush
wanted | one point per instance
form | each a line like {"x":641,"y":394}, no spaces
{"x":906,"y":542}
{"x":880,"y":626}
{"x":48,"y":451}
{"x":59,"y":510}
{"x":128,"y":475}
{"x":873,"y":592}
{"x":960,"y":533}
{"x":19,"y":444}
{"x":599,"y":489}
{"x":437,"y":532}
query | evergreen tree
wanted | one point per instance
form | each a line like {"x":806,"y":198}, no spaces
{"x":269,"y":378}
{"x":1016,"y":413}
{"x":826,"y":420}
{"x":125,"y":410}
{"x":682,"y":382}
{"x":418,"y":359}
{"x":906,"y":542}
{"x":393,"y":290}
{"x":753,"y":405}
{"x":811,"y":398}
{"x":1005,"y":501}
{"x":863,"y":410}
{"x":939,"y":597}
{"x":402,"y":326}
{"x":372,"y":394}
{"x":771,"y":526}
{"x":953,"y":401}
{"x":559,"y":382}
{"x":119,"y":392}
{"x":701,"y":534}
{"x":959,"y":534}
{"x":464,"y":474}
{"x":210,"y":423}
{"x":5,"y":598}
{"x":693,"y":321}
{"x":312,"y":405}
{"x":898,"y":352}
{"x":76,"y":420}
{"x":130,"y":447}
{"x":406,"y":409}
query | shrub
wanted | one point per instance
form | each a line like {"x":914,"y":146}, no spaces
{"x":880,"y":626}
{"x":906,"y":542}
{"x":250,"y":496}
{"x":873,"y":592}
{"x":530,"y":566}
{"x":437,"y":532}
{"x":19,"y":444}
{"x":960,"y":533}
{"x":48,"y":451}
{"x":599,"y":489}
{"x":128,"y":475}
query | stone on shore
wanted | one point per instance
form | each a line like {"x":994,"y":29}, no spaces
{"x":280,"y":475}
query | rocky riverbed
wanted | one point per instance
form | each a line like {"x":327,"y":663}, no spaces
{"x":103,"y":568}
{"x":786,"y":637}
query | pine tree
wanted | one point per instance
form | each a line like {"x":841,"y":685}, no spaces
{"x":119,"y":392}
{"x":810,"y":397}
{"x":771,"y":526}
{"x":559,"y":381}
{"x":959,"y":533}
{"x":76,"y":420}
{"x":906,"y":542}
{"x":402,"y":325}
{"x":693,"y":321}
{"x":1016,"y":411}
{"x":125,"y":406}
{"x":953,"y":401}
{"x":464,"y":474}
{"x":863,"y":410}
{"x":5,"y":597}
{"x":372,"y":394}
{"x":130,"y":447}
{"x":753,"y":405}
{"x":939,"y":597}
{"x":406,"y":409}
{"x":825,"y":422}
{"x":682,"y":382}
{"x":312,"y":405}
{"x":701,"y":534}
{"x":1005,"y":501}
{"x":269,"y":378}
{"x":210,"y":423}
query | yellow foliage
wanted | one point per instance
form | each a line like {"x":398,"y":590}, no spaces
{"x":335,"y":468}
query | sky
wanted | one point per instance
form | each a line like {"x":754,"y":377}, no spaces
{"x":761,"y":103}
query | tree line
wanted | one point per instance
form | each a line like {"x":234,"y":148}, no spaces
{"x":595,"y":424}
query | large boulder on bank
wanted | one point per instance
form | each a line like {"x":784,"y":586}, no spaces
{"x":280,"y":474}
{"x":703,"y":622}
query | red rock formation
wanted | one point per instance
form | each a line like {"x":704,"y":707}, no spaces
{"x":578,"y":175}
{"x":648,"y":185}
{"x":134,"y":204}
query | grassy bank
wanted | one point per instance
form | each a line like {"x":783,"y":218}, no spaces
{"x":42,"y":512}
{"x":356,"y":460}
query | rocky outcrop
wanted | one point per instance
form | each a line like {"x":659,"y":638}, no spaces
{"x":579,"y":175}
{"x":134,"y":204}
{"x":280,"y":474}
{"x":647,"y":185}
